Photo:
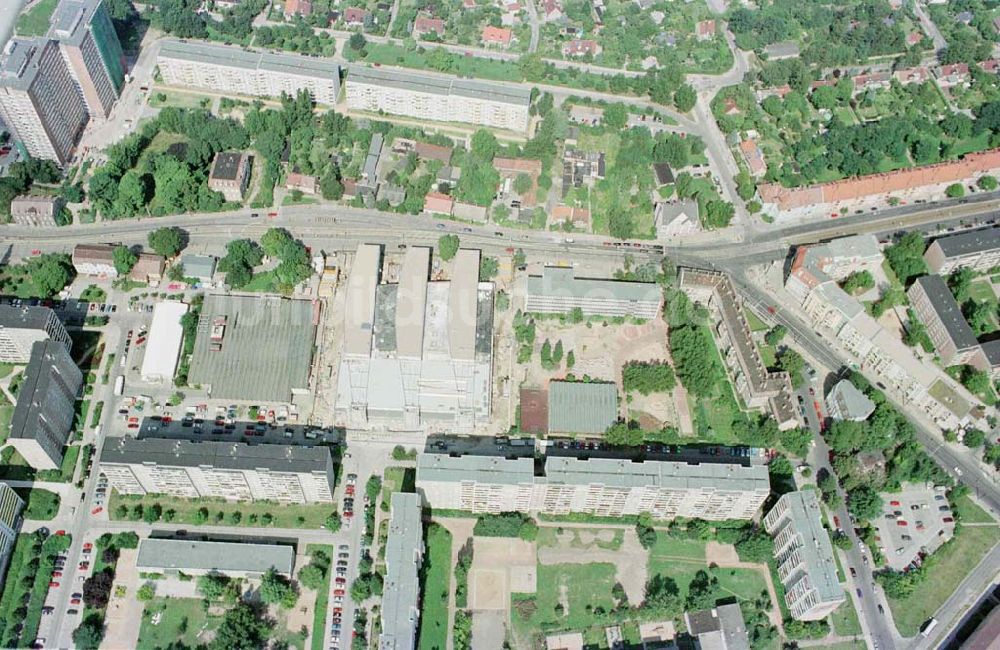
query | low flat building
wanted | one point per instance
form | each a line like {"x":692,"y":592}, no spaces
{"x":41,"y":211}
{"x":404,"y":554}
{"x":581,"y":407}
{"x":148,"y":268}
{"x":95,"y":259}
{"x":233,"y":471}
{"x":558,"y":291}
{"x":597,"y":486}
{"x":163,"y":349}
{"x":846,"y":402}
{"x":255,"y":348}
{"x":988,"y":357}
{"x":978,"y":250}
{"x":806,"y":565}
{"x":941,"y":314}
{"x":231,"y":70}
{"x":758,"y":386}
{"x":230,"y":174}
{"x":719,"y":628}
{"x":22,"y":327}
{"x":437,"y":97}
{"x":199,"y":267}
{"x":198,"y":558}
{"x":46,"y":405}
{"x":11,"y":507}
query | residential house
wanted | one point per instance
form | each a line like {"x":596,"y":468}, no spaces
{"x":917,"y":75}
{"x":871,"y":81}
{"x":730,"y":107}
{"x":429,"y":151}
{"x":952,"y":74}
{"x":578,"y":47}
{"x":426,"y":26}
{"x":450,"y":175}
{"x":991,"y":66}
{"x":577,"y":217}
{"x":914,"y":38}
{"x":964,"y":17}
{"x":676,"y":218}
{"x":437,"y":203}
{"x":148,"y":268}
{"x":29,"y":210}
{"x":230,"y":174}
{"x":497,"y":36}
{"x":356,"y":16}
{"x":551,"y":10}
{"x":295,"y":8}
{"x":302,"y":182}
{"x":705,"y":30}
{"x":753,"y":157}
{"x":777,"y":91}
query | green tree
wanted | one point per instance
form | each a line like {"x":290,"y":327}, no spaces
{"x":858,"y":281}
{"x":980,"y":316}
{"x":311,"y":576}
{"x":146,"y":592}
{"x":703,"y":592}
{"x":693,"y":353}
{"x":615,"y":116}
{"x":50,"y":273}
{"x":663,"y":597}
{"x":864,"y":503}
{"x":330,"y":185}
{"x":775,"y":334}
{"x":960,"y":283}
{"x":645,"y":532}
{"x":90,"y":633}
{"x":212,"y":586}
{"x":792,"y":362}
{"x":685,"y":98}
{"x":357,"y":42}
{"x":523,"y":183}
{"x":488,"y":268}
{"x":955,"y":190}
{"x":124,"y":259}
{"x":241,"y":629}
{"x":648,"y":377}
{"x":167,"y":241}
{"x":448,"y":246}
{"x":974,"y":438}
{"x":276,"y":590}
{"x":796,"y":441}
{"x":987,"y":183}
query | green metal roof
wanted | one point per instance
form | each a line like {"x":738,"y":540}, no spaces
{"x":576,"y":407}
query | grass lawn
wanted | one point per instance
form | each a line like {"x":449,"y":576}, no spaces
{"x":435,"y":574}
{"x":6,"y":413}
{"x":845,"y":620}
{"x":584,"y":584}
{"x":182,"y":621}
{"x":955,"y":561}
{"x":42,"y":505}
{"x":6,"y":369}
{"x":969,"y":513}
{"x":322,"y":598}
{"x":548,"y":537}
{"x":282,"y":515}
{"x":673,"y":547}
{"x":608,"y":143}
{"x":261,"y":282}
{"x":35,"y":21}
{"x":162,"y":98}
{"x":754,"y":321}
{"x":305,"y":200}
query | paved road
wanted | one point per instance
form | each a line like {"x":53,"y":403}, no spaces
{"x":928,"y":25}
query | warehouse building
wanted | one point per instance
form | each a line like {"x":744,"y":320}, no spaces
{"x":597,"y":486}
{"x":806,"y":565}
{"x":233,"y":471}
{"x":581,"y":407}
{"x":163,"y":349}
{"x":22,"y":327}
{"x":231,"y":70}
{"x":255,"y":348}
{"x":441,"y":98}
{"x":417,"y":354}
{"x":978,"y":250}
{"x":404,"y":553}
{"x":558,"y":291}
{"x":198,"y":558}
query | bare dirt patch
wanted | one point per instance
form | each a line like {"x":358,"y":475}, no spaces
{"x":629,"y":560}
{"x":500,"y":566}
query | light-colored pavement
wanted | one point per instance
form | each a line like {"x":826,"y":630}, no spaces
{"x":928,"y":25}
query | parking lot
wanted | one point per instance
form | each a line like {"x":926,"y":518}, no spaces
{"x":916,"y":520}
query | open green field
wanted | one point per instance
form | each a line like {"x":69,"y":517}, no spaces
{"x":436,"y":578}
{"x":282,"y":515}
{"x":322,"y":598}
{"x":969,"y":513}
{"x":183,"y":623}
{"x":587,"y":586}
{"x":754,"y":321}
{"x":667,"y":546}
{"x":955,"y":561}
{"x":35,"y":21}
{"x":41,"y":505}
{"x":845,"y":620}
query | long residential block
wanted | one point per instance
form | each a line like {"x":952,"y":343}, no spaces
{"x":11,"y":506}
{"x":804,"y":553}
{"x":938,"y":310}
{"x":22,"y":327}
{"x":232,"y":70}
{"x":46,"y":405}
{"x":437,"y":97}
{"x":92,"y":52}
{"x":404,"y":554}
{"x":232,"y":471}
{"x":597,"y":486}
{"x":195,"y":557}
{"x":978,"y":250}
{"x":558,"y":291}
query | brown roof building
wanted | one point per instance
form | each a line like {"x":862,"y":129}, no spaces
{"x":423,"y":26}
{"x":302,"y":182}
{"x":148,"y":268}
{"x":429,"y":151}
{"x":437,"y":203}
{"x":534,"y":411}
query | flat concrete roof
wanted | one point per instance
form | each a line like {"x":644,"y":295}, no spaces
{"x":480,"y":469}
{"x":403,"y":557}
{"x":815,"y":548}
{"x":423,"y":82}
{"x":166,"y":334}
{"x":169,"y":452}
{"x":224,"y":557}
{"x":359,"y":307}
{"x":290,"y":64}
{"x":579,"y":407}
{"x":654,"y":473}
{"x":411,"y":299}
{"x":463,"y":300}
{"x":560,"y":281}
{"x":265,"y":351}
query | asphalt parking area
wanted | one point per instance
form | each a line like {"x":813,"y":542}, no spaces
{"x":913,"y":521}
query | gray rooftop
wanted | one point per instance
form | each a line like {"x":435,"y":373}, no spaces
{"x":423,"y":82}
{"x":479,"y":469}
{"x":719,"y":628}
{"x":948,"y":310}
{"x":991,"y":350}
{"x":659,"y":474}
{"x":43,"y":413}
{"x":198,"y":266}
{"x":19,"y":62}
{"x":290,"y":64}
{"x":403,"y":554}
{"x":223,"y":557}
{"x":815,"y":548}
{"x":578,"y":407}
{"x":560,"y":281}
{"x":216,"y":454}
{"x":782,"y":49}
{"x":851,"y":402}
{"x":24,"y":317}
{"x":70,"y":19}
{"x":359,"y":314}
{"x":266,"y":349}
{"x":227,"y":165}
{"x":968,"y":243}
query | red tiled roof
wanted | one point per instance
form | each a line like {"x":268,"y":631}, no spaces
{"x":705,"y":28}
{"x":578,"y":47}
{"x":355,"y":14}
{"x":301,"y":7}
{"x":953,"y":68}
{"x":568,"y":213}
{"x":424,"y":25}
{"x":989,"y":65}
{"x":876,"y":184}
{"x":919,"y":74}
{"x":429,"y":151}
{"x":437,"y":202}
{"x":753,"y":156}
{"x":498,"y":35}
{"x":913,"y":38}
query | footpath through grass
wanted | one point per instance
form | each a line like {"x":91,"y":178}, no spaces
{"x":954,"y":562}
{"x":435,"y":576}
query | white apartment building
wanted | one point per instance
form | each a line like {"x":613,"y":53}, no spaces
{"x":417,"y":354}
{"x":234,"y":71}
{"x":11,"y":506}
{"x":558,"y":291}
{"x":978,"y":250}
{"x":404,"y":554}
{"x":39,"y":100}
{"x":804,"y":553}
{"x":597,"y":486}
{"x":227,"y":470}
{"x":22,"y":327}
{"x":437,"y":97}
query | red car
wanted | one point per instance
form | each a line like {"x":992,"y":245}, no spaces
{"x":57,"y":574}
{"x":96,"y":511}
{"x":338,"y":610}
{"x":349,"y":490}
{"x":74,"y":601}
{"x":53,"y":584}
{"x":901,"y":522}
{"x":60,"y":532}
{"x":948,"y":520}
{"x":894,"y":503}
{"x":338,"y":592}
{"x":88,"y":546}
{"x":341,"y":581}
{"x":836,"y":521}
{"x":84,"y":566}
